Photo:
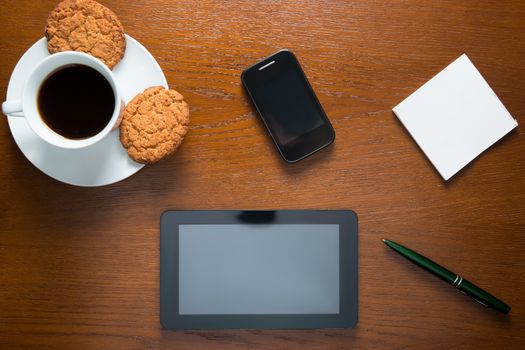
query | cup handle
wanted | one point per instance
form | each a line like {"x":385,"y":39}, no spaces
{"x":13,"y":108}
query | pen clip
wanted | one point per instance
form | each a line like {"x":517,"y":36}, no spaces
{"x":478,"y":301}
{"x":457,"y":283}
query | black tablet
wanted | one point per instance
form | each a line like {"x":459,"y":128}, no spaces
{"x":258,"y":269}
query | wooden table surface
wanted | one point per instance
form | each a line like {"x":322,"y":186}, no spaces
{"x":79,"y":267}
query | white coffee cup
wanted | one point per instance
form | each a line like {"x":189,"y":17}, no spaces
{"x":27,"y":106}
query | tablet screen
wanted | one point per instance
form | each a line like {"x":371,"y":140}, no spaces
{"x":258,"y":269}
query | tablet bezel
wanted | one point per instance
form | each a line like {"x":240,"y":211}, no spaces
{"x":169,"y":269}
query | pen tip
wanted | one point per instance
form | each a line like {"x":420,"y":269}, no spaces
{"x":384,"y":240}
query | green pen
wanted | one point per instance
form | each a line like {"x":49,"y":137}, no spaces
{"x":484,"y":298}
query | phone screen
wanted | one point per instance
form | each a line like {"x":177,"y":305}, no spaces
{"x":287,"y":104}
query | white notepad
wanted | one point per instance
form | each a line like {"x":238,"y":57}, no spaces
{"x":455,"y":116}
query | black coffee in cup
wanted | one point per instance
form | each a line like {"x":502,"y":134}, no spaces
{"x":76,"y":102}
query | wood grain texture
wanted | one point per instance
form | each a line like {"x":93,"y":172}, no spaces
{"x":79,"y":267}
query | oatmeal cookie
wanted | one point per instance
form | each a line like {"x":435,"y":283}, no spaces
{"x":154,"y":124}
{"x":86,"y":26}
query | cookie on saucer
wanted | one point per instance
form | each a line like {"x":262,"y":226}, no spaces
{"x":86,"y":26}
{"x":154,"y":124}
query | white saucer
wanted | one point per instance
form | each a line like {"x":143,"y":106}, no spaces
{"x":105,"y":162}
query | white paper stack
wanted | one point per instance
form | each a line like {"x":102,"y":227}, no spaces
{"x":455,"y":116}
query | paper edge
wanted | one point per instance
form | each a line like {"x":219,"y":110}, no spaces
{"x":444,"y":176}
{"x":493,"y":92}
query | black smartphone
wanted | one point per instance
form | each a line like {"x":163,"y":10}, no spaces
{"x":288,"y":106}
